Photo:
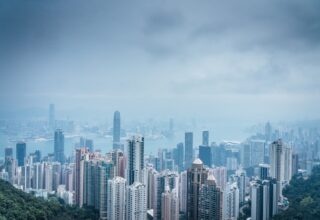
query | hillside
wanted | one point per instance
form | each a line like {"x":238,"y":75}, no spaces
{"x":16,"y":204}
{"x":304,"y":198}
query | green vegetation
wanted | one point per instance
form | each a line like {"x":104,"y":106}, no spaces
{"x":304,"y":198}
{"x":16,"y":204}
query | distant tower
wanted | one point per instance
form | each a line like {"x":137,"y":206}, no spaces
{"x":135,"y":159}
{"x":178,"y":156}
{"x":268,"y":131}
{"x":89,"y":144}
{"x":295,"y":163}
{"x":51,"y":116}
{"x":8,"y":152}
{"x":116,"y":198}
{"x":116,"y":130}
{"x":59,"y":146}
{"x":196,"y":176}
{"x":21,"y":148}
{"x":205,"y":138}
{"x":188,"y":149}
{"x":205,"y":155}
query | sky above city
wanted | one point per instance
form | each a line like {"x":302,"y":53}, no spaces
{"x":224,"y":60}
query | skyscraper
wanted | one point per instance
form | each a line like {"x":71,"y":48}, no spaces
{"x":118,"y":160}
{"x":178,"y":156}
{"x":164,"y":181}
{"x":135,"y":159}
{"x":51,"y":116}
{"x":280,"y":161}
{"x":183,"y":191}
{"x":105,"y":172}
{"x":264,"y":171}
{"x":295,"y":163}
{"x":136,"y":202}
{"x":21,"y":148}
{"x":205,"y":138}
{"x":59,"y":146}
{"x":210,"y":201}
{"x":231,"y":201}
{"x":241,"y":182}
{"x":116,"y":130}
{"x":268,"y":131}
{"x":196,"y":176}
{"x":116,"y":199}
{"x":8,"y":152}
{"x":79,"y":175}
{"x":170,"y":205}
{"x":205,"y":155}
{"x":188,"y":152}
{"x":264,"y":202}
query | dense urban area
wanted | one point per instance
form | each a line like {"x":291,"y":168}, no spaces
{"x":273,"y":174}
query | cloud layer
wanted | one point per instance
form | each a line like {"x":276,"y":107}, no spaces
{"x":248,"y":59}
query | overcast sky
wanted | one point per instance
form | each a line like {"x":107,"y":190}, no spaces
{"x":248,"y":60}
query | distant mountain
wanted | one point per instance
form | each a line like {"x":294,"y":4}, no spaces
{"x":16,"y":204}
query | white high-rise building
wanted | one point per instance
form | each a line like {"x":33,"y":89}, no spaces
{"x":280,"y":164}
{"x":48,"y":175}
{"x":135,"y":156}
{"x":231,"y":202}
{"x":183,"y":190}
{"x":280,"y":161}
{"x":220,"y":174}
{"x":37,"y":176}
{"x":136,"y":202}
{"x":116,"y":199}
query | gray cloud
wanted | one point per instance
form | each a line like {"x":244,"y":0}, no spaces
{"x":157,"y":54}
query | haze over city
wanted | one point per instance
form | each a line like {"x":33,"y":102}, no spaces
{"x":159,"y":110}
{"x":231,"y":63}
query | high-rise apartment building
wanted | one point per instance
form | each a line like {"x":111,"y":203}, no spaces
{"x":116,"y":194}
{"x":136,"y":208}
{"x":135,"y":162}
{"x":170,"y":205}
{"x":280,"y":161}
{"x":231,"y":201}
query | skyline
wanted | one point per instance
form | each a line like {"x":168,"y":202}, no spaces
{"x":229,"y":63}
{"x":163,"y":110}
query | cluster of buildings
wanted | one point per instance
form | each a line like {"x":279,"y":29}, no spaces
{"x":211,"y":182}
